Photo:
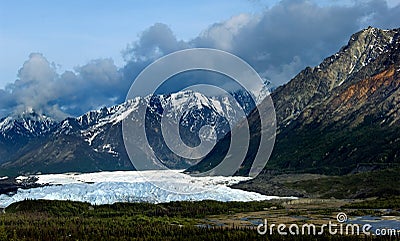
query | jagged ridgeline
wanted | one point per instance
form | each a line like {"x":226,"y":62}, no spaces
{"x":348,"y":119}
{"x":341,"y":116}
{"x":31,"y":142}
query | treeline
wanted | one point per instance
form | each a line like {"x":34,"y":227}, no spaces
{"x":190,"y":209}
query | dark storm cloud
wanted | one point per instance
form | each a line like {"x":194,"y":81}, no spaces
{"x":278,"y":43}
{"x":381,"y":16}
{"x":294,"y":34}
{"x":96,"y":84}
{"x":156,"y":41}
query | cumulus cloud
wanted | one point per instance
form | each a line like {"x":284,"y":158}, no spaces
{"x":35,"y":84}
{"x":41,"y":88}
{"x":222,"y":35}
{"x":98,"y":83}
{"x":153,"y":43}
{"x":278,"y":43}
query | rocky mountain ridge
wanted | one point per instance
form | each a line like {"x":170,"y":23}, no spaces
{"x":314,"y":84}
{"x":93,"y":141}
{"x":339,"y":117}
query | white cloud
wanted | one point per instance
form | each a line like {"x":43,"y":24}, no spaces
{"x":222,"y":35}
{"x":278,"y":43}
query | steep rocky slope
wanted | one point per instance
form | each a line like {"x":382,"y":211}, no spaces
{"x":339,"y":117}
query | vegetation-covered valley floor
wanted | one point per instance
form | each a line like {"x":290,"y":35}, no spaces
{"x":205,"y":220}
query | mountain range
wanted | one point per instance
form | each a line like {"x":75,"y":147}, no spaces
{"x":340,"y":117}
{"x":34,"y":143}
{"x":337,"y":118}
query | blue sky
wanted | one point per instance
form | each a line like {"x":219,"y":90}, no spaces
{"x":71,"y":33}
{"x":65,"y":57}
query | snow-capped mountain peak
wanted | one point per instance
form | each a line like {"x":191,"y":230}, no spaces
{"x":29,"y":123}
{"x":95,"y":138}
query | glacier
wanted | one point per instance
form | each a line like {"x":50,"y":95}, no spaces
{"x":134,"y":186}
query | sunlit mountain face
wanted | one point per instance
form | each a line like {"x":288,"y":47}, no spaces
{"x":341,"y":116}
